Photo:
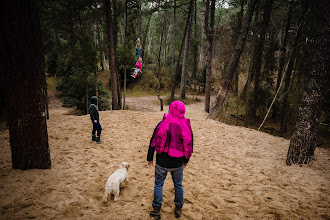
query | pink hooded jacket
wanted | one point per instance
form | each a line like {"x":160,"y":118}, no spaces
{"x":174,"y":135}
{"x":138,"y":64}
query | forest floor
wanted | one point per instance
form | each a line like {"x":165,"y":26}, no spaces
{"x":234,"y":173}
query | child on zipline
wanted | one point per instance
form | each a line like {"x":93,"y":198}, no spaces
{"x":138,"y":67}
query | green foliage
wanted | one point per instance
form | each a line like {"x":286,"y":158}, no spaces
{"x":52,"y":63}
{"x":74,"y":94}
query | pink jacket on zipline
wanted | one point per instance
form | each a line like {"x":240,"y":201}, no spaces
{"x":138,"y":65}
{"x":174,"y":135}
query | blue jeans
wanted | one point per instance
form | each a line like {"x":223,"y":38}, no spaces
{"x":97,"y":127}
{"x":160,"y":176}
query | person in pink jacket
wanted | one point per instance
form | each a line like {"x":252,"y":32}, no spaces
{"x":173,"y":142}
{"x":138,"y":67}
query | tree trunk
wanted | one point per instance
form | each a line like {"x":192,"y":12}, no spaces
{"x":24,"y":76}
{"x":115,"y":22}
{"x":112,"y":57}
{"x":173,"y":39}
{"x":209,"y":31}
{"x":159,"y":64}
{"x":100,"y":46}
{"x":185,"y":64}
{"x":230,"y":71}
{"x":139,"y":18}
{"x":282,"y":55}
{"x":302,"y":143}
{"x":289,"y":71}
{"x":46,"y":99}
{"x":145,"y":36}
{"x":176,"y":73}
{"x":240,"y":16}
{"x":118,"y":89}
{"x":195,"y":50}
{"x":73,"y":41}
{"x":257,"y":56}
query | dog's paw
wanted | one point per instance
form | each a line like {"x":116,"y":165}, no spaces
{"x":105,"y":199}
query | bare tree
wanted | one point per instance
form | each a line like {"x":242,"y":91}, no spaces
{"x":184,"y":76}
{"x":209,"y":31}
{"x":302,"y":143}
{"x":25,"y":77}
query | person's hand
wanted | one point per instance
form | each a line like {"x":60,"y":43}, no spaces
{"x":95,"y":121}
{"x":184,"y":165}
{"x":149,"y":164}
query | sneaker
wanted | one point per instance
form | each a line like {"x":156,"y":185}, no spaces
{"x":98,"y":140}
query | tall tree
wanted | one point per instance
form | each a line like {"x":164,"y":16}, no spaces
{"x":282,"y":54}
{"x":184,"y":76}
{"x":173,"y":42}
{"x":176,"y":73}
{"x":209,"y":31}
{"x":257,"y":57}
{"x":302,"y":143}
{"x":290,"y":66}
{"x":25,"y":77}
{"x":112,"y":57}
{"x":230,"y":71}
{"x":73,"y":37}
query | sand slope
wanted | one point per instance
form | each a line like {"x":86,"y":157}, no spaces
{"x":234,"y":173}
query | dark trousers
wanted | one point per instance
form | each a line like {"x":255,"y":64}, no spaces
{"x":97,"y":127}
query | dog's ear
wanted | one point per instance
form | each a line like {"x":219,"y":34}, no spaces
{"x":127,"y":165}
{"x":122,"y":165}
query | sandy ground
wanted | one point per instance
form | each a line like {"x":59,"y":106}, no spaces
{"x":234,"y":173}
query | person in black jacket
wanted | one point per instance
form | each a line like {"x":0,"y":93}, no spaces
{"x":173,"y":142}
{"x":94,"y":113}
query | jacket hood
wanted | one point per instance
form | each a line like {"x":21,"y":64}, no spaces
{"x":94,"y":100}
{"x":177,"y":109}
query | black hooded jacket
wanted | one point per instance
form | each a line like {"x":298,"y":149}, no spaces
{"x":93,"y":112}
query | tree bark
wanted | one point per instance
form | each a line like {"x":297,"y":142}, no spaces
{"x":112,"y":56}
{"x":302,"y":143}
{"x":24,"y":75}
{"x":184,"y":76}
{"x":230,"y":71}
{"x":209,"y":31}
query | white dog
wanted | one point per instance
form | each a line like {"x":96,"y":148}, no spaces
{"x":113,"y":184}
